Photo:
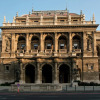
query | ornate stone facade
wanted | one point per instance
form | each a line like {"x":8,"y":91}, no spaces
{"x":50,"y":47}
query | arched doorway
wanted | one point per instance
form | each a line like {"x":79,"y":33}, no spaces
{"x":30,"y":74}
{"x":47,"y":74}
{"x":64,"y":74}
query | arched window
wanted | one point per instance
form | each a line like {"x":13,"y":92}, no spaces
{"x":76,"y":42}
{"x":48,"y":42}
{"x":62,"y":42}
{"x":21,"y":45}
{"x":35,"y":43}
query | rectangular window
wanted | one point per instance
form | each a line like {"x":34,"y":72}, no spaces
{"x":91,"y":67}
{"x":7,"y":68}
{"x":75,"y":20}
{"x":23,"y":21}
{"x":36,"y":21}
{"x":22,"y":46}
{"x":48,"y":46}
{"x":75,"y":46}
{"x":35,"y":46}
{"x":62,"y":46}
{"x":61,"y":20}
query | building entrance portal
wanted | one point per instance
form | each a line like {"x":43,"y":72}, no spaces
{"x":64,"y":74}
{"x":30,"y":74}
{"x":47,"y":74}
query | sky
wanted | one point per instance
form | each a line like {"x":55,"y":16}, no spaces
{"x":9,"y":8}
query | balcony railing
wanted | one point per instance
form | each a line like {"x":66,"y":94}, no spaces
{"x":48,"y":51}
{"x":78,"y":50}
{"x":62,"y":50}
{"x":34,"y":51}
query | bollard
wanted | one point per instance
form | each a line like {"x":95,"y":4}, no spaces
{"x":66,"y":88}
{"x":84,"y":88}
{"x":75,"y":88}
{"x":93,"y":88}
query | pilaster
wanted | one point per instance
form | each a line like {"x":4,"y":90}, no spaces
{"x":70,"y":43}
{"x":84,"y":44}
{"x":94,"y":44}
{"x":27,"y":43}
{"x":56,"y":43}
{"x":42,"y":42}
{"x":13,"y":45}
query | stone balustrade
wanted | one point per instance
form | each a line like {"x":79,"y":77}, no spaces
{"x":48,"y":23}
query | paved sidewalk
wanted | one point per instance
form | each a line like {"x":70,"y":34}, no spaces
{"x":7,"y":89}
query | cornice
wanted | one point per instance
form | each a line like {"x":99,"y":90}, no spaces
{"x":50,"y":26}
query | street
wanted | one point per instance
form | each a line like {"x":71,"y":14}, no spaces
{"x":49,"y":96}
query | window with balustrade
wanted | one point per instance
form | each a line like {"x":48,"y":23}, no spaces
{"x":76,"y":42}
{"x":35,"y":43}
{"x":21,"y":45}
{"x":48,"y":42}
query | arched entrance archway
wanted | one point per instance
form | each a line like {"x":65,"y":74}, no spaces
{"x":30,"y":74}
{"x":47,"y":74}
{"x":64,"y":74}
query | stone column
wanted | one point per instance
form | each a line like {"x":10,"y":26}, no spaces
{"x":56,"y":75}
{"x":42,"y":43}
{"x":84,"y":43}
{"x":16,"y":45}
{"x":94,"y":44}
{"x":27,"y":43}
{"x":16,"y":41}
{"x":22,"y":78}
{"x":13,"y":44}
{"x":38,"y":75}
{"x":70,"y":43}
{"x":56,"y":42}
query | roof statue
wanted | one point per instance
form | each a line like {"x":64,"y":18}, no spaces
{"x":4,"y":19}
